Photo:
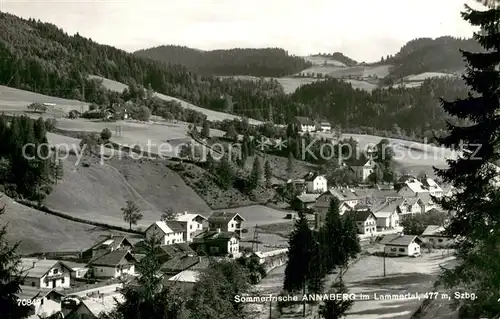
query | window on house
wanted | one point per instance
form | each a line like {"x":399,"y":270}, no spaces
{"x":401,"y":250}
{"x":440,"y":240}
{"x":101,"y":269}
{"x":393,"y":249}
{"x":32,"y":284}
{"x":55,"y":271}
{"x":62,"y":280}
{"x":190,"y":226}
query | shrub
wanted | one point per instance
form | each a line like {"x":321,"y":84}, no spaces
{"x":106,"y":134}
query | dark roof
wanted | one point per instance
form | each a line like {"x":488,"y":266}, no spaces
{"x":398,"y":240}
{"x":223,"y":216}
{"x":405,"y":178}
{"x":361,"y":215}
{"x":180,"y":263}
{"x":114,"y":242}
{"x":214,"y":235}
{"x":175,"y":225}
{"x":177,"y":249}
{"x":309,"y":177}
{"x":304,"y":120}
{"x":360,"y":161}
{"x":112,"y":258}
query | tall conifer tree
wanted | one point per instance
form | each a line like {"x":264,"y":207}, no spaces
{"x":476,"y":204}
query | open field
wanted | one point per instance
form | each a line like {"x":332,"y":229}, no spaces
{"x":403,"y":275}
{"x":98,"y":192}
{"x":40,"y":232}
{"x":319,"y":60}
{"x":211,"y":115}
{"x":378,"y":71}
{"x":13,"y":100}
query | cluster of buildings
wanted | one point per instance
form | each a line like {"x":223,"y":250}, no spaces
{"x":305,"y":124}
{"x":375,"y":208}
{"x":184,"y":246}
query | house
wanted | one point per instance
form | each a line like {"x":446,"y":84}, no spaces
{"x":106,"y":243}
{"x":362,"y":167}
{"x":434,"y":235}
{"x":113,"y":264}
{"x":78,"y":270}
{"x":48,"y":301}
{"x":74,"y":114}
{"x":326,"y":127}
{"x":316,"y":183}
{"x":304,"y":124}
{"x":299,"y":184}
{"x":401,"y":245}
{"x":92,"y":308}
{"x":365,"y":221}
{"x":167,"y":232}
{"x":184,"y":280}
{"x":388,"y":214}
{"x":305,"y":201}
{"x":426,"y":201}
{"x":180,"y":263}
{"x":217,"y":243}
{"x":432,"y":187}
{"x":412,"y":205}
{"x":226,"y":222}
{"x":165,"y":252}
{"x":411,"y":187}
{"x":45,"y":273}
{"x":194,"y":224}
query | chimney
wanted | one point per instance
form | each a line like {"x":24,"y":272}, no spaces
{"x":34,"y":264}
{"x":185,"y":212}
{"x":402,"y":234}
{"x":218,"y":230}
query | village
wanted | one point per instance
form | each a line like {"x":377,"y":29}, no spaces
{"x":89,"y":282}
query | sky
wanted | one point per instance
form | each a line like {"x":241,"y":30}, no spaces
{"x":364,"y":30}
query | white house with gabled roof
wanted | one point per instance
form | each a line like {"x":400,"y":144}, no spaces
{"x":45,"y":273}
{"x":167,"y":232}
{"x":194,"y":224}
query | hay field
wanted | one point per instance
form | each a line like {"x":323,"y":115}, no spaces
{"x":98,"y":192}
{"x":41,"y":232}
{"x":378,"y":71}
{"x":161,"y":138}
{"x":403,"y":275}
{"x":211,"y":115}
{"x":15,"y":100}
{"x":318,"y":60}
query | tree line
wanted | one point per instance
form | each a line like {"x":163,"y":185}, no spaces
{"x":265,"y":62}
{"x":27,"y":168}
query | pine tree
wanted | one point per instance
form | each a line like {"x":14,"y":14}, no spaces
{"x":477,"y":203}
{"x":10,"y":278}
{"x":205,"y":131}
{"x":330,"y":236}
{"x":256,"y":174}
{"x":317,"y":269}
{"x":268,"y":173}
{"x":289,"y":166}
{"x":244,"y":154}
{"x":336,"y":308}
{"x":225,"y":173}
{"x":148,"y":298}
{"x":299,"y":255}
{"x":350,"y":240}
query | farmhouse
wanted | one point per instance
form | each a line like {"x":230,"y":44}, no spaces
{"x":45,"y":273}
{"x":184,"y":280}
{"x":344,"y":195}
{"x":167,"y":232}
{"x":434,"y":235}
{"x":218,"y":243}
{"x":226,"y":222}
{"x":362,"y":168}
{"x":305,"y":201}
{"x":365,"y":221}
{"x":113,"y":264}
{"x":91,"y":309}
{"x":401,"y":245}
{"x":388,"y":214}
{"x":326,"y":127}
{"x":304,"y":124}
{"x":194,"y":224}
{"x":49,"y":301}
{"x":107,"y":243}
{"x":412,"y":205}
{"x":316,"y":183}
{"x":180,"y":263}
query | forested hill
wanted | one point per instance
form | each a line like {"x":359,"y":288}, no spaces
{"x":338,"y":56}
{"x":430,"y":55}
{"x":267,"y":62}
{"x":42,"y":58}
